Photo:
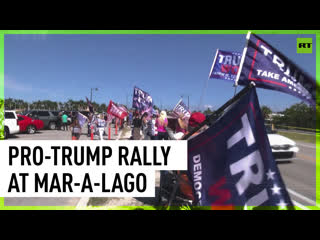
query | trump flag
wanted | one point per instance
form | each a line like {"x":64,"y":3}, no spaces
{"x":231,"y":163}
{"x":225,"y":65}
{"x":270,"y":69}
{"x":116,"y":111}
{"x":142,"y":101}
{"x":182,"y":109}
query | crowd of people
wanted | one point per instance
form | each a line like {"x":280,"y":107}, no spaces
{"x":158,"y":127}
{"x":69,"y":121}
{"x":154,"y":126}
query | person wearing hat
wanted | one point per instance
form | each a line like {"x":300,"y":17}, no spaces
{"x":185,"y":186}
{"x":152,"y":130}
{"x":101,"y":123}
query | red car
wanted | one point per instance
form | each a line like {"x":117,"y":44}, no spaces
{"x":28,"y":124}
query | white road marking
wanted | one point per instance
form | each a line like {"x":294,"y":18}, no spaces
{"x":308,"y":200}
{"x":83,"y":202}
{"x":300,"y":205}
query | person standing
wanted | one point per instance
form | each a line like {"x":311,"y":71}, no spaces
{"x":161,"y":124}
{"x":144,"y":126}
{"x":64,"y":121}
{"x":75,"y":129}
{"x":152,"y":130}
{"x":101,"y":123}
{"x":136,"y":132}
{"x":59,"y":121}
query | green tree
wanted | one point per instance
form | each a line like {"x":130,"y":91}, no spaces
{"x":300,"y":115}
{"x":266,"y":111}
{"x":208,"y":112}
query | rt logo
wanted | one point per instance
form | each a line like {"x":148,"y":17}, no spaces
{"x":304,"y":45}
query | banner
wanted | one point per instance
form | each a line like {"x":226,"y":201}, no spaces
{"x":114,"y":110}
{"x":142,"y":101}
{"x":110,"y":117}
{"x":181,"y":108}
{"x":225,"y":65}
{"x":81,"y":118}
{"x":123,"y":108}
{"x":270,"y":69}
{"x":231,"y":163}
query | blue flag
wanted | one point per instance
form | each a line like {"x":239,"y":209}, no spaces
{"x":181,"y":108}
{"x":225,"y":65}
{"x":270,"y":69}
{"x":231,"y":163}
{"x":142,"y":101}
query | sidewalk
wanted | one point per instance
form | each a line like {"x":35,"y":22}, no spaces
{"x":124,"y":134}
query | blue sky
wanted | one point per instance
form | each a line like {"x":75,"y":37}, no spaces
{"x":62,"y":67}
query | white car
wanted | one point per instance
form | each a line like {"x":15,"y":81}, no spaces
{"x":282,"y":147}
{"x":10,"y":123}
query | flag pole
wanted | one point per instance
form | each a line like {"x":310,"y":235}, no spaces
{"x":206,"y":83}
{"x":241,"y":63}
{"x":214,"y":116}
{"x":209,"y":120}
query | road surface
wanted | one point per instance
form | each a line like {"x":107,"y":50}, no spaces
{"x":299,"y":175}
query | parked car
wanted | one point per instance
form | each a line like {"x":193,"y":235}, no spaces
{"x":29,"y":125}
{"x":49,"y":119}
{"x":10,"y":123}
{"x":282,"y":147}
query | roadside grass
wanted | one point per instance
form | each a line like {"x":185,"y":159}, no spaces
{"x":299,"y":137}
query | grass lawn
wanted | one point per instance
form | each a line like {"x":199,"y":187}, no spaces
{"x":299,"y":137}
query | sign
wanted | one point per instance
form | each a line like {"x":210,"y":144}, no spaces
{"x":304,"y":45}
{"x":225,"y":65}
{"x":181,"y":108}
{"x":142,"y":101}
{"x":231,"y":163}
{"x":114,"y":110}
{"x":270,"y":69}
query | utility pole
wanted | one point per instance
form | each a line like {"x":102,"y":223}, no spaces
{"x":96,"y":89}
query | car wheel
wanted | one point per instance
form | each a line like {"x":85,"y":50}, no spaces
{"x":52,"y":126}
{"x":6,"y":133}
{"x":31,"y":129}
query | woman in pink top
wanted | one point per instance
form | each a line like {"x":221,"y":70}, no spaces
{"x":161,"y":124}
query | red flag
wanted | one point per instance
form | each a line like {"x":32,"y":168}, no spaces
{"x":116,"y":111}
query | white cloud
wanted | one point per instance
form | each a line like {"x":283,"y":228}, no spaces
{"x":206,"y":106}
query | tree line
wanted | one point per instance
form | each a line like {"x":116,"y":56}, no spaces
{"x":298,"y":115}
{"x":70,"y":105}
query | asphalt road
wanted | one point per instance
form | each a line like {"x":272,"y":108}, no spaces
{"x":299,"y":175}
